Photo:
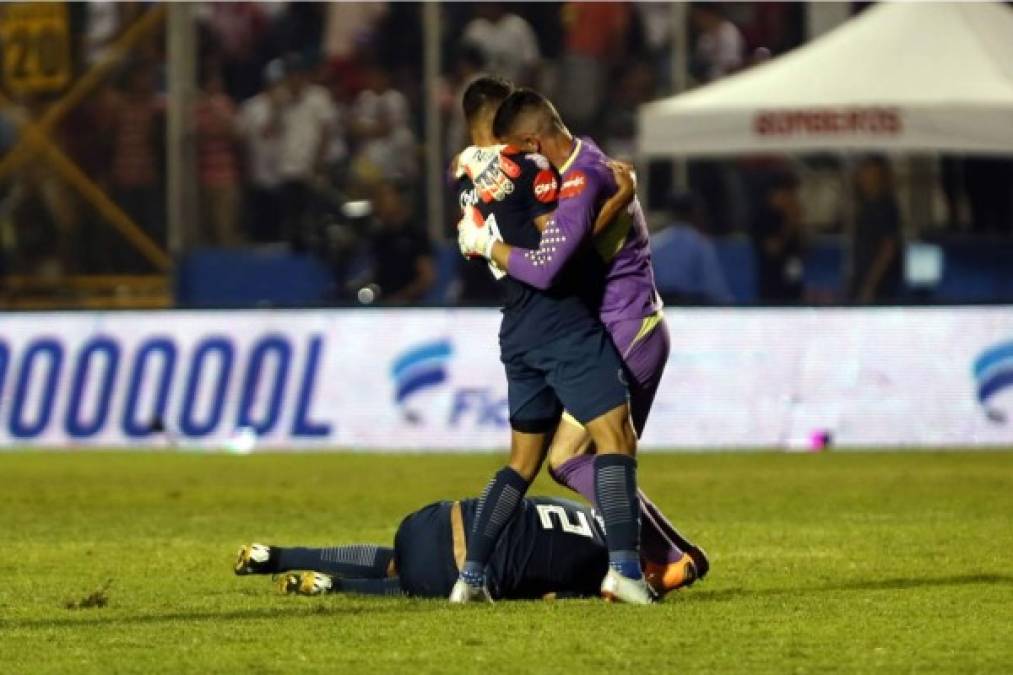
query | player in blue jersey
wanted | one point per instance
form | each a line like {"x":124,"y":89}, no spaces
{"x":550,"y":546}
{"x":555,"y":352}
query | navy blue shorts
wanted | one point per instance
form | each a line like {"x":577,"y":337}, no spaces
{"x":424,"y":552}
{"x":580,"y":371}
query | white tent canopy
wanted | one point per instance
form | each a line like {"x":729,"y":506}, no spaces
{"x":900,"y":76}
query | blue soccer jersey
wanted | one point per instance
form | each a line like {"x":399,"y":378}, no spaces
{"x":514,"y":188}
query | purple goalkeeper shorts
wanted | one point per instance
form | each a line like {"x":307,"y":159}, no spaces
{"x":643,"y":345}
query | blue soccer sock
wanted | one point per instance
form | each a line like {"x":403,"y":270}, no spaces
{"x":496,"y":506}
{"x":359,"y":561}
{"x":615,"y":479}
{"x":391,"y":586}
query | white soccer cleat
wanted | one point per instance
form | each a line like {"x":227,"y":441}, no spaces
{"x":463,"y":592}
{"x":617,"y":588}
{"x":305,"y":583}
{"x":252,"y":559}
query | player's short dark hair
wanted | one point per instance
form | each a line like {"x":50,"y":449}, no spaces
{"x":520,"y":103}
{"x":483,"y":92}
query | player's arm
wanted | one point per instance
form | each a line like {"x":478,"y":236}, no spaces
{"x":626,"y":189}
{"x":574,"y":220}
{"x":625,"y":179}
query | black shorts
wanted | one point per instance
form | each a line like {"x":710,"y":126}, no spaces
{"x":424,"y":552}
{"x":560,"y":550}
{"x":580,"y":371}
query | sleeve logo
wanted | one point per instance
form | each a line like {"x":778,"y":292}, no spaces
{"x":573,"y":184}
{"x":546,"y":187}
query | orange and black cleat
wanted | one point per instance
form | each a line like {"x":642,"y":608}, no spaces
{"x":670,"y":577}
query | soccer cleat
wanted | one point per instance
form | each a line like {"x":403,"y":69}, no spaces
{"x":672,"y":576}
{"x":463,"y":592}
{"x":253,"y":559}
{"x":700,"y":560}
{"x":618,"y":588}
{"x":305,"y":583}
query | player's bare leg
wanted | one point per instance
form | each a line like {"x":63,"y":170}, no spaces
{"x":570,"y":440}
{"x":497,"y":505}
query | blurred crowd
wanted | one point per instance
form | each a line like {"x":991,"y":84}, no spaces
{"x":308,"y":132}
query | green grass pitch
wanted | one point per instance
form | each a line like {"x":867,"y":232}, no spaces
{"x":832,"y":562}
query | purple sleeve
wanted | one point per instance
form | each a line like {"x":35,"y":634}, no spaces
{"x":573,"y":220}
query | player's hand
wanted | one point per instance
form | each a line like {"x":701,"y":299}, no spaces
{"x":476,"y":235}
{"x":625,"y":175}
{"x":626,"y":181}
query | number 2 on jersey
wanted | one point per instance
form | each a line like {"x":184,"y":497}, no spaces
{"x":581,"y":527}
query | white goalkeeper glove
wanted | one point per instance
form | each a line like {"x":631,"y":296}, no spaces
{"x":476,"y":236}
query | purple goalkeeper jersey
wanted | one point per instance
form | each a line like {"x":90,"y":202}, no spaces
{"x":623,"y":245}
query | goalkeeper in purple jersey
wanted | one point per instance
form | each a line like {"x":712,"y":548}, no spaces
{"x":625,"y":296}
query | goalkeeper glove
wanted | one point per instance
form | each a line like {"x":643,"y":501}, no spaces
{"x":476,"y":235}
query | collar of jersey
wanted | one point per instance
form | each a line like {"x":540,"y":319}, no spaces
{"x":573,"y":155}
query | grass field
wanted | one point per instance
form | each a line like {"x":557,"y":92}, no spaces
{"x":841,"y":562}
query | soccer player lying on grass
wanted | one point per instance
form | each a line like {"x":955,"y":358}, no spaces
{"x":556,"y":354}
{"x":597,"y":205}
{"x":551,"y":546}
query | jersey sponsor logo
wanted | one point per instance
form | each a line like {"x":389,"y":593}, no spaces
{"x":573,"y":184}
{"x":993,"y":375}
{"x":546,"y":187}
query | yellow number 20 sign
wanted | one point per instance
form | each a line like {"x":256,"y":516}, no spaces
{"x":36,"y":46}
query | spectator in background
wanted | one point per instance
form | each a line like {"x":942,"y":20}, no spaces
{"x":39,"y":216}
{"x":619,"y":121}
{"x":719,"y":46}
{"x":777,"y":241}
{"x":135,"y":124}
{"x":238,"y":31}
{"x":468,"y":65}
{"x":656,"y":21}
{"x":687,"y":268}
{"x":260,"y":128}
{"x":218,"y":165}
{"x":876,"y":242}
{"x":718,"y":50}
{"x":308,"y":119}
{"x":403,"y":265}
{"x":101,"y":26}
{"x":381,"y":121}
{"x":348,"y":26}
{"x":506,"y":41}
{"x":596,"y":36}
